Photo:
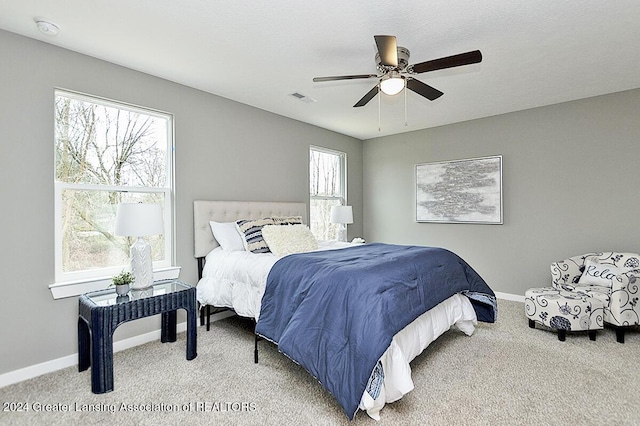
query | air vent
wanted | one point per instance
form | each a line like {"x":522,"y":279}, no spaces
{"x":303,"y":98}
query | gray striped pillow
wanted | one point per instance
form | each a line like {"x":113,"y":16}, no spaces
{"x":286,"y":220}
{"x":251,"y":232}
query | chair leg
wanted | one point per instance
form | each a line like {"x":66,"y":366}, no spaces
{"x":620,"y":334}
{"x":532,"y":324}
{"x":562,"y":335}
{"x":592,"y":335}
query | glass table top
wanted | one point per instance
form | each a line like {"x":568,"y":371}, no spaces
{"x":109,"y":297}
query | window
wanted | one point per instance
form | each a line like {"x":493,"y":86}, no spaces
{"x":106,"y":153}
{"x":327,"y":178}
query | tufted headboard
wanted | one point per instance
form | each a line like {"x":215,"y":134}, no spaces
{"x":229,"y":211}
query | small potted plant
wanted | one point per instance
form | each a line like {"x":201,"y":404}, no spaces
{"x":122,"y":281}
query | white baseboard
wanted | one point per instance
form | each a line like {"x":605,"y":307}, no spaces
{"x":30,"y":372}
{"x":509,"y":296}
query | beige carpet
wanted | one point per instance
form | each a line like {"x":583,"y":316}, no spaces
{"x":505,"y":374}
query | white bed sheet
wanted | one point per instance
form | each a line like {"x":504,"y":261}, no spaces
{"x":237,"y":280}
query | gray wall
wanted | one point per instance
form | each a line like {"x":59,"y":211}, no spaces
{"x":224,"y":150}
{"x":570,"y":182}
{"x":570,"y":185}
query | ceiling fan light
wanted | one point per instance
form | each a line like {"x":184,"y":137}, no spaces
{"x":392,"y":84}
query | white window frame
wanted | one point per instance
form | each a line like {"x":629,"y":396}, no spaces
{"x":69,"y":284}
{"x":343,"y":177}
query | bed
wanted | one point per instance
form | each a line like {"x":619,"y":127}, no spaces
{"x":259,"y":286}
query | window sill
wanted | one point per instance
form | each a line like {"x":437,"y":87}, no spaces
{"x":76,"y":288}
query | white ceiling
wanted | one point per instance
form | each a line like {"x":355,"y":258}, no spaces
{"x":535,"y":53}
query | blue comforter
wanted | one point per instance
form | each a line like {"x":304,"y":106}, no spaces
{"x":335,"y":312}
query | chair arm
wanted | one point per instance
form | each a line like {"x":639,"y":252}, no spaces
{"x":623,"y":307}
{"x":566,"y":273}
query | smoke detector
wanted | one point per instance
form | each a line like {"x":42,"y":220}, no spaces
{"x":47,"y":27}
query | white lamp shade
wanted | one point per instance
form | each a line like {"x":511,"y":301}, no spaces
{"x":341,"y":214}
{"x":139,"y":220}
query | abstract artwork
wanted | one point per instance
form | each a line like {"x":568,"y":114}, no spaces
{"x":460,"y":191}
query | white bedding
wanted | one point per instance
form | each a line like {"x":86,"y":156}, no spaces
{"x":237,"y":279}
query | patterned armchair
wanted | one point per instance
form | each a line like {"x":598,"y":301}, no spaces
{"x":611,"y":277}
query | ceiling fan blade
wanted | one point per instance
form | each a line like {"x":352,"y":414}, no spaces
{"x":448,"y":62}
{"x":343,"y":77}
{"x":387,"y":49}
{"x":423,"y":89}
{"x":366,"y":98}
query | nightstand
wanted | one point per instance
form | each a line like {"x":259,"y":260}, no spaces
{"x":101,"y":312}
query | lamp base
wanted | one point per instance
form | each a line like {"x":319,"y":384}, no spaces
{"x":342,"y":232}
{"x":141,"y":264}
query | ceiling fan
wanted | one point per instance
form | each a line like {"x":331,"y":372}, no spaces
{"x":396,"y":73}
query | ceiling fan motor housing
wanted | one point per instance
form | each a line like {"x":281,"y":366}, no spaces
{"x":403,"y":60}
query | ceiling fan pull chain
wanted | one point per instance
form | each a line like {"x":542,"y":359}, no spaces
{"x":405,"y":106}
{"x":379,"y":96}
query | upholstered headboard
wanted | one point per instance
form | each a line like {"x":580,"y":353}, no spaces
{"x":228,"y":211}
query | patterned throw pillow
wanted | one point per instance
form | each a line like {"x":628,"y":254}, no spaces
{"x":251,"y":232}
{"x":599,"y":274}
{"x":287,"y":220}
{"x":288,"y":239}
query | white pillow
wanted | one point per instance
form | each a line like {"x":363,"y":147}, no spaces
{"x":227,"y":235}
{"x":288,"y":239}
{"x":598,"y":274}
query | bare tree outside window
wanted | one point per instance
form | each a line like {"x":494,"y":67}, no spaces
{"x":327,"y":189}
{"x":105,"y":153}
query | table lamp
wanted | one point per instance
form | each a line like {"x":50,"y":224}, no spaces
{"x":342,"y":215}
{"x":140,"y":220}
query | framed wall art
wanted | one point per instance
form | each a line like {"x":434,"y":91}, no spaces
{"x":460,"y":191}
